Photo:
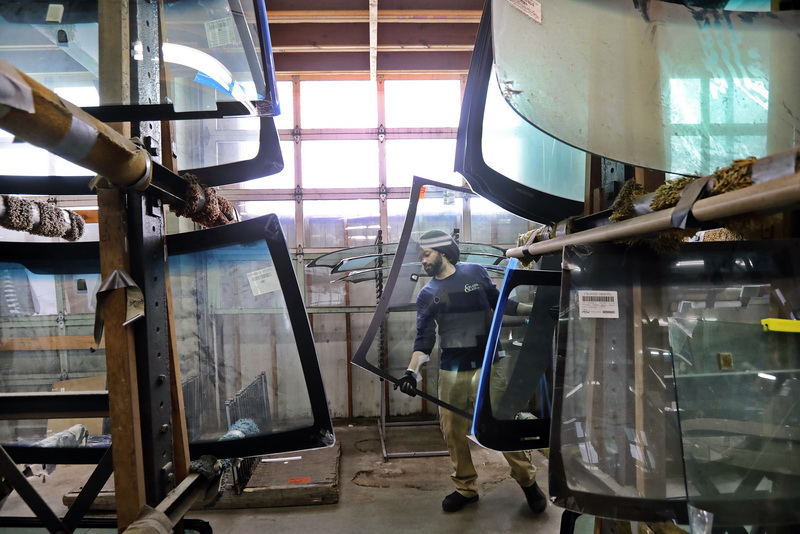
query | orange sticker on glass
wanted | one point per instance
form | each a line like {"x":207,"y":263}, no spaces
{"x":300,"y":480}
{"x":422,"y":192}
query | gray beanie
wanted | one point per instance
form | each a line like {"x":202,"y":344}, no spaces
{"x":440,"y":242}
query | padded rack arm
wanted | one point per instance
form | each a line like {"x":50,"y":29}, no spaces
{"x":37,"y":115}
{"x":780,"y":194}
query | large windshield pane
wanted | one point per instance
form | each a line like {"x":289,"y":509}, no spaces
{"x":227,"y":301}
{"x":654,"y":84}
{"x":233,"y":289}
{"x":390,"y":339}
{"x":737,"y":383}
{"x":676,"y":382}
{"x":211,"y":53}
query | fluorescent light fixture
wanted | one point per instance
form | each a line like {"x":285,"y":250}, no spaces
{"x":690,"y":263}
{"x":767,"y":376}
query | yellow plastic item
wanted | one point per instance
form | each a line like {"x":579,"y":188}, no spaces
{"x":781,"y":325}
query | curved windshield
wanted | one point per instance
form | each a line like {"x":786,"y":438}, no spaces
{"x":680,"y":88}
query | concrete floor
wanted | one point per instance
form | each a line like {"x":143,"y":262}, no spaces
{"x":401,"y":494}
{"x":375,"y":495}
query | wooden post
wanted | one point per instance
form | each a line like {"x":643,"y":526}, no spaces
{"x":123,"y":395}
{"x":180,"y":435}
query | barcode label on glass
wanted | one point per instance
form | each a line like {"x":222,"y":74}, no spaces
{"x":220,"y":32}
{"x":598,"y":304}
{"x":263,"y":281}
{"x":531,"y":8}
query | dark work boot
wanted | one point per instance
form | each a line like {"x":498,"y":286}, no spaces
{"x":536,"y":499}
{"x":455,"y":502}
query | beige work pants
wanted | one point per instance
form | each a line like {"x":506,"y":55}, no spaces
{"x":459,"y":388}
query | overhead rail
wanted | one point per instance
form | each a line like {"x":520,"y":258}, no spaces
{"x":770,"y":192}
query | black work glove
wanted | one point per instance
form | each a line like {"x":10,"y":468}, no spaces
{"x":407,"y":384}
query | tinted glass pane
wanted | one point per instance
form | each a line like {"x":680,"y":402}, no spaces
{"x":233,"y":289}
{"x":737,"y":382}
{"x":212,"y":53}
{"x":434,"y":206}
{"x":512,"y":396}
{"x":228,"y":301}
{"x":46,"y":340}
{"x":615,"y":425}
{"x":326,"y":226}
{"x":281,"y":180}
{"x":705,"y":73}
{"x":527,"y":155}
{"x":282,"y":209}
{"x":205,"y":143}
{"x":513,"y":406}
{"x":669,"y":387}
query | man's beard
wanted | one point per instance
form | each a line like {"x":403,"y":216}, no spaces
{"x":432,"y":269}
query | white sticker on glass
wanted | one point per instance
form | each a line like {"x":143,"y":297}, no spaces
{"x":263,"y":281}
{"x":532,"y":8}
{"x":598,"y":304}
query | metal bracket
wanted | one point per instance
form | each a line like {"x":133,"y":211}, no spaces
{"x":381,"y":133}
{"x":296,"y":134}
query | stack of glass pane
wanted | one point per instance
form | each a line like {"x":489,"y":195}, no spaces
{"x":669,"y":389}
{"x":245,"y":345}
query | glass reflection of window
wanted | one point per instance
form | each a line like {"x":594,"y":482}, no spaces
{"x":396,"y":210}
{"x":320,"y":291}
{"x":326,"y":226}
{"x":527,"y":155}
{"x":493,"y":224}
{"x":283,"y":209}
{"x":230,"y":151}
{"x":80,"y":293}
{"x":281,"y":180}
{"x":733,"y":112}
{"x":205,"y":143}
{"x":44,"y":306}
{"x":442,"y":210}
{"x":323,"y":289}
